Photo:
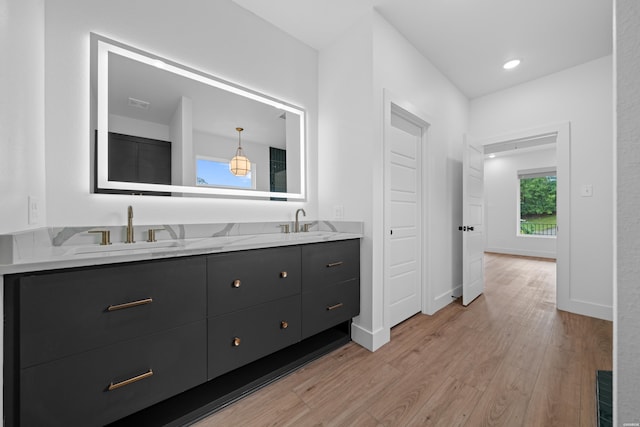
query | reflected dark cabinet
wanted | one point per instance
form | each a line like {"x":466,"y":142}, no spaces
{"x":137,"y":159}
{"x":137,"y":343}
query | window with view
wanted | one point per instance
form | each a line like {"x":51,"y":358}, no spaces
{"x":216,"y":173}
{"x":537,"y":213}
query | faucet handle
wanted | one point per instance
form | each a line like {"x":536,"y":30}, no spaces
{"x":284,"y":228}
{"x":106,"y":236}
{"x":305,"y":227}
{"x":151,"y":234}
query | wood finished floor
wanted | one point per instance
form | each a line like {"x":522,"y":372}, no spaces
{"x":508,"y":359}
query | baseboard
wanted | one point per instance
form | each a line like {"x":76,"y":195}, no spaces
{"x":522,"y":252}
{"x":584,"y":308}
{"x":368,"y":339}
{"x":443,"y":300}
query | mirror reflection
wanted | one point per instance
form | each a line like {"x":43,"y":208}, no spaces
{"x":166,"y":129}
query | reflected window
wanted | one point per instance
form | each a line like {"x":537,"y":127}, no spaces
{"x":212,"y":172}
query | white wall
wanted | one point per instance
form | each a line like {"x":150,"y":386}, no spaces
{"x":217,"y":37}
{"x":345,"y":133}
{"x":22,"y":162}
{"x":142,"y":128}
{"x":626,"y":345}
{"x":403,"y":71}
{"x":501,"y":190}
{"x":354,"y":71}
{"x":583,"y":96}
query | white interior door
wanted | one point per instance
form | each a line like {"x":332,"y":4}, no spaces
{"x":472,"y":221}
{"x":403,"y":207}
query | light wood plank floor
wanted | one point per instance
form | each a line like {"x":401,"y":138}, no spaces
{"x":509,"y":359}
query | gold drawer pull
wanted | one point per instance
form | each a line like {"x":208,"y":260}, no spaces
{"x":113,"y":386}
{"x":284,"y":324}
{"x":236,"y":342}
{"x":236,"y":283}
{"x":333,"y":307}
{"x":334,"y":264}
{"x":284,"y":274}
{"x":130,"y":304}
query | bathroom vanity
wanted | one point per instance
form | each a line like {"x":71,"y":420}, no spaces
{"x":165,"y":341}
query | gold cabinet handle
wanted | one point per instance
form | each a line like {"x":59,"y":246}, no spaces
{"x":236,"y":342}
{"x":333,"y":307}
{"x":284,"y":274}
{"x":114,"y":386}
{"x":284,"y":324}
{"x":236,"y":283}
{"x":335,"y":264}
{"x":130,"y":304}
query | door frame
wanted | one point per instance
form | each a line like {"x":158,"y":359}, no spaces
{"x":563,"y":191}
{"x":394,"y":104}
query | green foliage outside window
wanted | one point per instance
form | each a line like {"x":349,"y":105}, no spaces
{"x":538,"y":196}
{"x":538,"y":205}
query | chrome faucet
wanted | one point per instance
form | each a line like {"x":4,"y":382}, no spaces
{"x":296,"y":226}
{"x":129,"y":225}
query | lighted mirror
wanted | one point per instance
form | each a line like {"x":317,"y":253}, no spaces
{"x":166,"y":129}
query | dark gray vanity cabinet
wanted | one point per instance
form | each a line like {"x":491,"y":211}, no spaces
{"x":254,"y":305}
{"x":96,"y":344}
{"x":330,"y":284}
{"x":165,"y":342}
{"x":106,"y":384}
{"x":65,"y":313}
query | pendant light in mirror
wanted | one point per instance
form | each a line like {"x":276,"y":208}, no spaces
{"x":240,"y":164}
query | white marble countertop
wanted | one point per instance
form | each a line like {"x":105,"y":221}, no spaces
{"x":41,"y":256}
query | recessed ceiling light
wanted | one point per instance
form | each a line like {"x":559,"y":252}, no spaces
{"x":511,"y":64}
{"x":491,"y":156}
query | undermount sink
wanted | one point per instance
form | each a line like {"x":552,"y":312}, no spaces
{"x":121,"y":247}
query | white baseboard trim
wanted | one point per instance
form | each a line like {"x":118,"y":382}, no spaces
{"x":522,"y":252}
{"x":370,"y":340}
{"x":443,"y":300}
{"x":584,"y":308}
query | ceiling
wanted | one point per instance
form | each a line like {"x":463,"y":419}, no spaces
{"x":467,"y":40}
{"x":215,"y":111}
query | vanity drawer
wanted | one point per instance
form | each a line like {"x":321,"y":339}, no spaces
{"x":240,"y":280}
{"x":74,"y":391}
{"x":65,"y":313}
{"x":335,"y":304}
{"x":329,"y":263}
{"x":239,"y":338}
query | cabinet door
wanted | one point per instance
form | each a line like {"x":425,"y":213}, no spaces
{"x":123,"y":158}
{"x":244,"y":336}
{"x":154,"y":162}
{"x":325,"y":264}
{"x":239,"y":280}
{"x":75,"y":391}
{"x":68,"y":312}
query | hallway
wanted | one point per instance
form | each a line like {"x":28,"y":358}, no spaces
{"x":508,"y":359}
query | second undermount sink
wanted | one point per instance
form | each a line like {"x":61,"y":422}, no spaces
{"x":122,"y":247}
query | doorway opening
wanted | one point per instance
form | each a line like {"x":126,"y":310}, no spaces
{"x":541,"y":154}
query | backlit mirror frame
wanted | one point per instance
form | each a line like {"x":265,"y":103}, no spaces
{"x":104,"y":47}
